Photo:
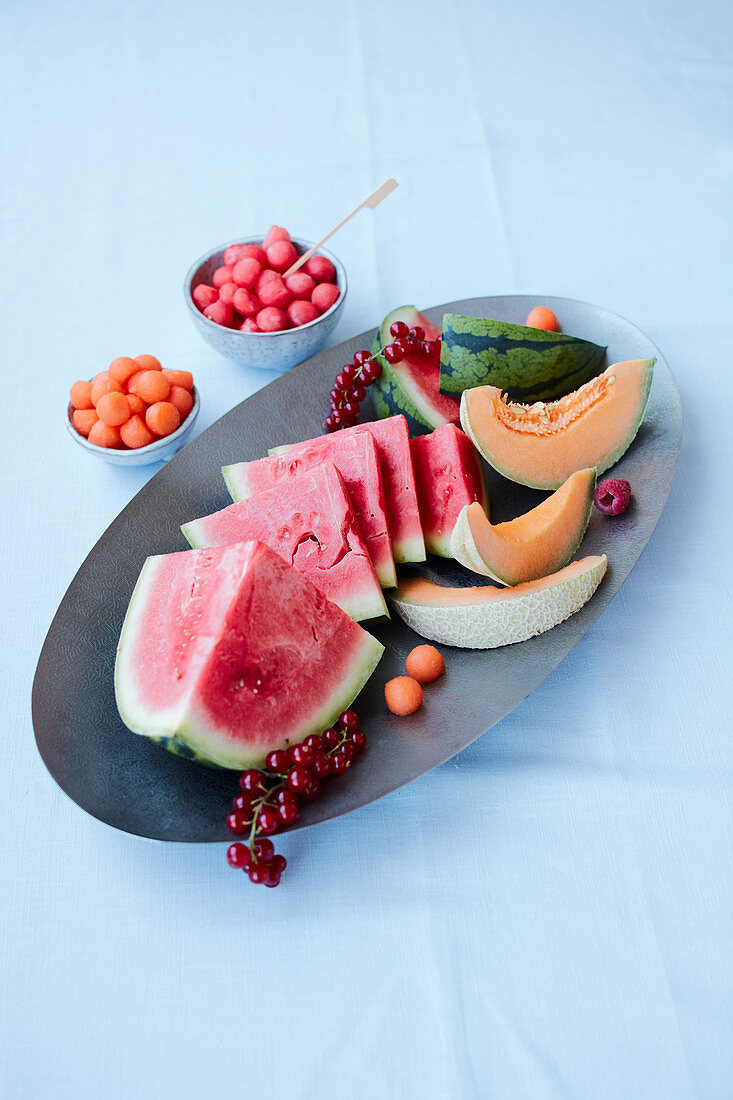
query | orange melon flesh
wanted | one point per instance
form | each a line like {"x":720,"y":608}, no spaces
{"x":531,"y":546}
{"x":543,"y":444}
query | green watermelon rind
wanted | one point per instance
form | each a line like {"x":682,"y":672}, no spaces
{"x":527,"y":363}
{"x":390,"y":393}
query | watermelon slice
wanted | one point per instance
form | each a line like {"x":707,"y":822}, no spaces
{"x":412,"y":386}
{"x":310,"y":522}
{"x":356,"y":459}
{"x":393,"y":447}
{"x":228,"y":653}
{"x":449,"y":477}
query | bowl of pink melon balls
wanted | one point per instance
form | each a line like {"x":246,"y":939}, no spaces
{"x":247,"y":306}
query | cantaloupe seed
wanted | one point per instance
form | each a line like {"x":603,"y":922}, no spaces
{"x":84,"y":420}
{"x":114,"y":409}
{"x":137,"y":405}
{"x":424,"y":664}
{"x":148,"y":362}
{"x":104,"y":435}
{"x":182,"y":378}
{"x":152,"y":386}
{"x":121,"y":368}
{"x":103,"y":384}
{"x":182,"y":399}
{"x":162,"y":418}
{"x":80,"y":395}
{"x":403,"y":695}
{"x":135,"y":433}
{"x":542,"y":317}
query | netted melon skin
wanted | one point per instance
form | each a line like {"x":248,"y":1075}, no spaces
{"x":488,"y":625}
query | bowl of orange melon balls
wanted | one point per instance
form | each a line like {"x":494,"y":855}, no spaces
{"x":134,"y":412}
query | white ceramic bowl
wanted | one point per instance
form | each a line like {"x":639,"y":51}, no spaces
{"x":159,"y":451}
{"x":270,"y":350}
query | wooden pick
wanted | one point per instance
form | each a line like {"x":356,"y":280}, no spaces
{"x":371,"y":201}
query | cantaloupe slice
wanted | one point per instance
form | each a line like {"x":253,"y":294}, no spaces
{"x":531,"y":546}
{"x":487,"y":617}
{"x":543,"y":444}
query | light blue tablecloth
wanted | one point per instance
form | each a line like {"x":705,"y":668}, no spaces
{"x":551,"y":913}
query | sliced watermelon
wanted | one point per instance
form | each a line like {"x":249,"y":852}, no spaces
{"x":310,"y":522}
{"x":412,"y":386}
{"x":228,"y":653}
{"x":449,"y":477}
{"x":356,"y":459}
{"x":393,"y":446}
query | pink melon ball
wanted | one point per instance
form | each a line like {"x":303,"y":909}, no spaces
{"x":222,"y":275}
{"x":245,"y":302}
{"x":275,"y":233}
{"x":301,"y":313}
{"x":271,"y":319}
{"x":254,"y":252}
{"x":281,"y":255}
{"x":204,"y":295}
{"x":300,"y":285}
{"x":265,"y":277}
{"x":220,"y":313}
{"x":233,"y":253}
{"x":320,"y":268}
{"x":324,"y":296}
{"x":246,"y":272}
{"x":249,"y":325}
{"x":274,"y":293}
{"x":226,"y":293}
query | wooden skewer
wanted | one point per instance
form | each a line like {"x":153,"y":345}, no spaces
{"x":371,"y":201}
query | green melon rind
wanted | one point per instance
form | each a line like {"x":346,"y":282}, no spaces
{"x":390,"y":395}
{"x":364,"y":661}
{"x":600,"y":466}
{"x":486,"y":625}
{"x":235,"y":478}
{"x":527,"y":363}
{"x":464,"y":549}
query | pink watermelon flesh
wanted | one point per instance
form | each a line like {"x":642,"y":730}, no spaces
{"x":356,"y":459}
{"x":234,"y":653}
{"x":310,"y":522}
{"x":420,"y":375}
{"x":448,"y":475}
{"x":392,"y":439}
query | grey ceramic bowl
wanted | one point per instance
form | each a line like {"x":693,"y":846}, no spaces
{"x":159,"y":451}
{"x":271,"y":350}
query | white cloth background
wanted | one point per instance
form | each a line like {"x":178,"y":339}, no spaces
{"x":551,"y":913}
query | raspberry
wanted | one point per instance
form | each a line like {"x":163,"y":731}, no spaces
{"x":612,"y":496}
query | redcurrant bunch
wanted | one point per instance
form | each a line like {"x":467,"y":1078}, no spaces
{"x":270,"y":799}
{"x":351,"y":382}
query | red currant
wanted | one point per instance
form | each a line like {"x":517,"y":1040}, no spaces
{"x":399,"y":328}
{"x":252,"y":780}
{"x":336,"y":397}
{"x":289,"y":812}
{"x":349,"y":720}
{"x":431,"y":348}
{"x":298,"y":778}
{"x":239,"y":856}
{"x":323,"y":766}
{"x":330,"y":738}
{"x":301,"y":754}
{"x":343,"y":381}
{"x":362,"y":357}
{"x":313,"y":742}
{"x":259,"y":872}
{"x":340,"y":762}
{"x":312,"y":790}
{"x":350,"y":370}
{"x":330,"y":424}
{"x":400,"y":346}
{"x":238,"y":823}
{"x":370,"y":372}
{"x":392,"y":353}
{"x":349,"y":750}
{"x":351,"y":408}
{"x":417,"y":333}
{"x":279,"y":863}
{"x":268,"y":819}
{"x":277,"y":761}
{"x":263,"y":850}
{"x":411,"y":345}
{"x":357,"y":393}
{"x":243,"y":802}
{"x":358,"y":739}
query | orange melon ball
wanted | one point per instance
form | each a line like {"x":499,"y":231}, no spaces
{"x":103,"y":384}
{"x":542,"y":317}
{"x":135,"y":433}
{"x":403,"y":695}
{"x":114,"y":409}
{"x":137,"y":405}
{"x":84,"y":420}
{"x":424,"y":664}
{"x":162,"y":418}
{"x":182,"y":399}
{"x":182,"y":378}
{"x":80,"y":395}
{"x":148,"y":362}
{"x":104,"y":435}
{"x":121,"y":368}
{"x":152,"y":386}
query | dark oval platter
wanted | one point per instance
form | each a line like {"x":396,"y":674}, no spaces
{"x":132,"y":784}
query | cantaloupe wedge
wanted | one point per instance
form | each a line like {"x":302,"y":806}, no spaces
{"x":531,"y":546}
{"x":543,"y":444}
{"x":487,"y":617}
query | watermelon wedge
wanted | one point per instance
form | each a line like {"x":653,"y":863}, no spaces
{"x":449,"y":477}
{"x":310,"y":522}
{"x":356,"y":459}
{"x":393,"y":447}
{"x":228,"y":653}
{"x":412,"y":386}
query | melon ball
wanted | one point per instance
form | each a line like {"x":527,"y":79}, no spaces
{"x":403,"y":695}
{"x":425,"y":664}
{"x":324,"y":296}
{"x":320,"y":268}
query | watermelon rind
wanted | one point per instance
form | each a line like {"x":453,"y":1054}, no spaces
{"x":529,"y":364}
{"x":394,"y":392}
{"x":486,"y":618}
